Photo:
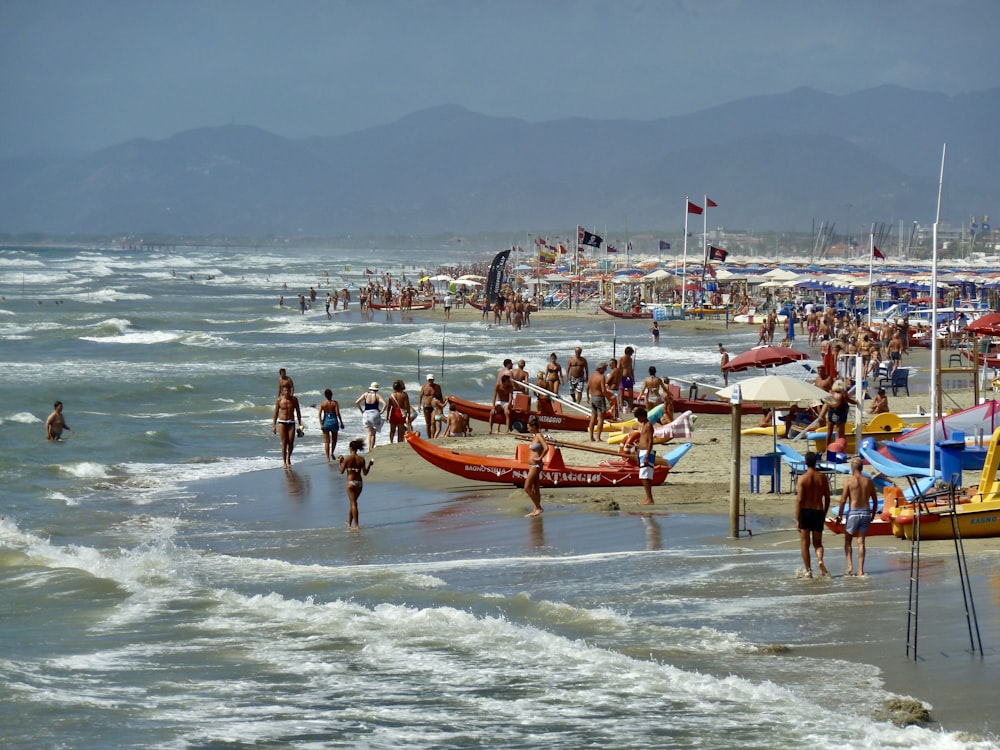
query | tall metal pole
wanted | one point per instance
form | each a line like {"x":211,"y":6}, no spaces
{"x":935,"y":369}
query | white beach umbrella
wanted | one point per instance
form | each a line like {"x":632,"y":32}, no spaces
{"x":776,"y":392}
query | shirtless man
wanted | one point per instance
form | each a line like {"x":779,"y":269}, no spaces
{"x":895,"y":352}
{"x":812,"y":502}
{"x":723,"y":361}
{"x":518,"y":376}
{"x":578,"y":371}
{"x":859,"y":493}
{"x":503,"y":392}
{"x":597,"y":395}
{"x":284,"y":380}
{"x":645,"y":454}
{"x":425,"y":402}
{"x":626,"y":386}
{"x":507,"y":369}
{"x":823,"y":380}
{"x":55,"y":424}
{"x":653,"y":390}
{"x":613,"y":379}
{"x":286,"y":413}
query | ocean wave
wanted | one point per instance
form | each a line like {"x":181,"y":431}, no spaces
{"x":147,"y":337}
{"x":21,"y":417}
{"x":86,"y":470}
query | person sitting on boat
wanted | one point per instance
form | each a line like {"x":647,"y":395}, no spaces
{"x":880,"y":403}
{"x":503,"y":394}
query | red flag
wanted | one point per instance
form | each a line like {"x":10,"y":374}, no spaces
{"x":709,"y":203}
{"x":877,"y":253}
{"x":694,"y":208}
{"x":717,"y":253}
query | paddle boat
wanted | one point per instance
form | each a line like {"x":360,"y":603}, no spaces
{"x":618,"y":472}
{"x":974,"y":514}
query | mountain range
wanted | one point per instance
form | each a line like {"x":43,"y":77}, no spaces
{"x":781,"y":162}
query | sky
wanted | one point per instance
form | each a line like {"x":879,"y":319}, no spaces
{"x":79,"y":75}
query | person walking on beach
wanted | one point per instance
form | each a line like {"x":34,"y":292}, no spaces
{"x":538,"y":450}
{"x":355,"y":467}
{"x":371,"y":405}
{"x":330,"y":422}
{"x":577,"y":371}
{"x":286,"y":413}
{"x":56,"y":423}
{"x":861,"y":501}
{"x":425,"y":401}
{"x":812,"y":502}
{"x":399,"y":411}
{"x":597,"y":395}
{"x":645,"y":454}
{"x":723,"y":361}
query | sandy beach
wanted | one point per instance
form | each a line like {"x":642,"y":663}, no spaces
{"x":701,"y":481}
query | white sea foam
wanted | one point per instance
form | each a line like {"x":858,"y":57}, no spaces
{"x":21,"y":417}
{"x":86,"y":470}
{"x":135,"y":337}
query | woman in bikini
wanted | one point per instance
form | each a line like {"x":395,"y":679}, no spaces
{"x":354,"y":466}
{"x":399,"y":411}
{"x":538,"y":450}
{"x":553,"y":374}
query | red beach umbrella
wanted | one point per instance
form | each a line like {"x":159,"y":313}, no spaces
{"x":764,"y":356}
{"x":988,"y":325}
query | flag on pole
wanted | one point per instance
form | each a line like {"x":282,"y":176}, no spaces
{"x":709,"y":203}
{"x":694,"y":208}
{"x":664,"y":245}
{"x":588,"y":239}
{"x":611,"y":248}
{"x":877,"y":253}
{"x":717,"y":253}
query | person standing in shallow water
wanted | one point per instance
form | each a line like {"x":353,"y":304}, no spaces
{"x":812,"y":503}
{"x":355,"y":466}
{"x":286,"y":411}
{"x":331,"y":423}
{"x":531,"y":483}
{"x":55,"y":424}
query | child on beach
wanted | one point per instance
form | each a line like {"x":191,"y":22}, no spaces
{"x":354,"y":466}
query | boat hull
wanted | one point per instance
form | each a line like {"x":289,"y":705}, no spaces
{"x":976,"y":520}
{"x":627,"y":314}
{"x":547,"y":420}
{"x":499,"y":470}
{"x":878,"y":526}
{"x":426,"y":305}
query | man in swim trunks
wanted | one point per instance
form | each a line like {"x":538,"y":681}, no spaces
{"x":723,"y":361}
{"x":812,"y":502}
{"x":597,"y":394}
{"x":55,"y":424}
{"x":286,"y":412}
{"x":626,"y":386}
{"x":518,"y":376}
{"x":645,"y":454}
{"x":284,"y":380}
{"x":859,"y":493}
{"x":577,"y":370}
{"x":425,"y":402}
{"x":503,"y":392}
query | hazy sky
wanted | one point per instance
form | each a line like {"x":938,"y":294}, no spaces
{"x":83,"y":74}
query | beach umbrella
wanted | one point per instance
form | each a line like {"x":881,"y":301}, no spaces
{"x":764,"y":356}
{"x":987,"y":325}
{"x":776,"y":392}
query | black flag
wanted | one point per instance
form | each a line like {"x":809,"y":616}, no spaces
{"x":494,"y":282}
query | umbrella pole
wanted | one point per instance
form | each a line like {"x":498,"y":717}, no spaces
{"x":734,"y":476}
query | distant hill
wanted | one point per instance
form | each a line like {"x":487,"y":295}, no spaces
{"x":773,"y":162}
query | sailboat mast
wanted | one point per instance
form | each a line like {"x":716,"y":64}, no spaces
{"x":935,"y":369}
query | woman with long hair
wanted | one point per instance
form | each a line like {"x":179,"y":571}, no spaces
{"x":538,"y":450}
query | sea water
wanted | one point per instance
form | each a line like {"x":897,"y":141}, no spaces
{"x":167,"y":585}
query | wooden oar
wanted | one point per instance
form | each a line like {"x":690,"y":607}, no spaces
{"x":549,"y":394}
{"x":660,"y":461}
